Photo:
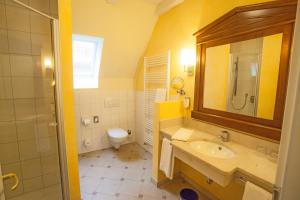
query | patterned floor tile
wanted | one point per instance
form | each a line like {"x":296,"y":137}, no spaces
{"x":123,"y":174}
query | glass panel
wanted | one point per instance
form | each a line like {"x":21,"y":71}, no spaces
{"x":87,"y":53}
{"x":50,"y":7}
{"x":28,"y":139}
{"x":242,"y":77}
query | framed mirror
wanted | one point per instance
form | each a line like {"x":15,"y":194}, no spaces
{"x":242,"y":68}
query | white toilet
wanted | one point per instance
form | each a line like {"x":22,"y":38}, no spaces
{"x":117,"y":136}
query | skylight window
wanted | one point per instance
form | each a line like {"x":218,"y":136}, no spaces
{"x":87,"y":53}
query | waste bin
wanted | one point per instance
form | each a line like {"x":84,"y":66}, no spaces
{"x":188,"y":194}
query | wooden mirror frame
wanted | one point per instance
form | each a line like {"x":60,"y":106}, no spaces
{"x":245,"y":23}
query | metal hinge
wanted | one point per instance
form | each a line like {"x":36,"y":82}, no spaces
{"x":276,"y":193}
{"x":53,"y":124}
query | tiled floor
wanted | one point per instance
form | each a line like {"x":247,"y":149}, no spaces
{"x":122,"y":175}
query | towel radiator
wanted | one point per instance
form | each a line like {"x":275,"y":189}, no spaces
{"x":156,"y":75}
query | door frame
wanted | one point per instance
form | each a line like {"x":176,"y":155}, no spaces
{"x":290,"y":139}
{"x":60,"y":110}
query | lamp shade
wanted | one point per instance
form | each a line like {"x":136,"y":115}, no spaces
{"x":187,"y":57}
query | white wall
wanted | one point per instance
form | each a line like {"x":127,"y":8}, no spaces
{"x":139,"y":114}
{"x":89,"y":103}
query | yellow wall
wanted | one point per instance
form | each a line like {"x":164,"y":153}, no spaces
{"x":174,"y":30}
{"x":170,"y":109}
{"x":234,"y":191}
{"x":65,"y":23}
{"x":216,"y":77}
{"x":163,"y":111}
{"x":269,"y":76}
{"x":174,"y":109}
{"x":125,"y":26}
{"x":111,"y":84}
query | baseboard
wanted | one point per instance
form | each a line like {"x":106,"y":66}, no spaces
{"x":164,"y":181}
{"x":100,"y":149}
{"x":192,"y":183}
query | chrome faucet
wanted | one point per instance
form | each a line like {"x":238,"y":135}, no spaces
{"x":224,"y":136}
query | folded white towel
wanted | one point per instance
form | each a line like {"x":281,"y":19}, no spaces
{"x":253,"y":192}
{"x":160,"y":94}
{"x":166,"y":158}
{"x":183,"y":134}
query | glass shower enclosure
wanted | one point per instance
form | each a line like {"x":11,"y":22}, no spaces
{"x":244,"y":74}
{"x":29,"y":137}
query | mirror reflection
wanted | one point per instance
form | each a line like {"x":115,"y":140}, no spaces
{"x":242,"y":77}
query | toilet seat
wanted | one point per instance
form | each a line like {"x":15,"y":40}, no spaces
{"x":117,"y":137}
{"x":117,"y":133}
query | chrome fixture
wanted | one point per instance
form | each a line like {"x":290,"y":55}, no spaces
{"x":242,"y":106}
{"x":274,"y":189}
{"x":235,"y":88}
{"x":224,"y":136}
{"x":209,"y":181}
{"x":236,"y":72}
{"x":177,"y":83}
{"x":12,"y":176}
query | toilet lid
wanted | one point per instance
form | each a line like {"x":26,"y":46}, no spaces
{"x":117,"y":133}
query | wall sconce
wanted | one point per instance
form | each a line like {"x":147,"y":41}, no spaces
{"x":48,"y":63}
{"x":188,"y":60}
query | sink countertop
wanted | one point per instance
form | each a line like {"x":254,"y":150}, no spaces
{"x":246,"y":161}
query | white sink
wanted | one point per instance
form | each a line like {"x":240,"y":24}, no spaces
{"x":212,"y":149}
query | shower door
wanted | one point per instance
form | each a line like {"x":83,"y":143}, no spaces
{"x":29,"y":146}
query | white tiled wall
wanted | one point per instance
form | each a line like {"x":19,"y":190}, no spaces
{"x":139,"y":110}
{"x":93,"y":102}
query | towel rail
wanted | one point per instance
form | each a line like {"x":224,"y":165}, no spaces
{"x":242,"y":179}
{"x":270,"y":188}
{"x":154,"y":79}
{"x":274,"y":190}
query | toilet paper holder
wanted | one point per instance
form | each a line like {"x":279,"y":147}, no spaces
{"x":86,"y":121}
{"x":87,"y":142}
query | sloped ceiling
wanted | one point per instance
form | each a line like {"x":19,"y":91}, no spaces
{"x":155,"y":1}
{"x":165,"y":5}
{"x":125,"y":25}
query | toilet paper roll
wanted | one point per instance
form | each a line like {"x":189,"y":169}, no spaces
{"x":86,"y":121}
{"x":87,"y":142}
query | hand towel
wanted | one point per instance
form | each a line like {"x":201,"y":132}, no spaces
{"x":166,"y":158}
{"x":183,"y":134}
{"x":160,"y":94}
{"x":253,"y":192}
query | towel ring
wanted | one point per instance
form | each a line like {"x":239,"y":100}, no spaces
{"x":14,"y":176}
